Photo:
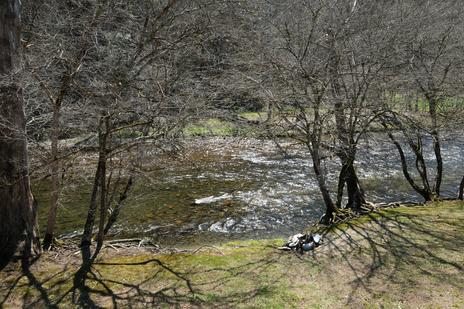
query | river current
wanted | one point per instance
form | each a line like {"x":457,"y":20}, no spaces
{"x":229,"y":188}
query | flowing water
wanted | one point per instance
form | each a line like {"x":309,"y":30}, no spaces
{"x":231,"y":188}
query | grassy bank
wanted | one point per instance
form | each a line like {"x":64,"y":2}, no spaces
{"x":407,"y":257}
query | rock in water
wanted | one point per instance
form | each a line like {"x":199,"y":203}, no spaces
{"x":222,"y":227}
{"x":212,"y":199}
{"x":218,"y":227}
{"x":229,"y":223}
{"x":203,"y":226}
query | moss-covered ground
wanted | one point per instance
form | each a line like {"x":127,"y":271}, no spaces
{"x":406,"y":257}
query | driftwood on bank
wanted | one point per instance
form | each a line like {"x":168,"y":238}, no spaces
{"x":72,"y":248}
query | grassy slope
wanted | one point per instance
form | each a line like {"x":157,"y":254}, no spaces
{"x":398,"y":258}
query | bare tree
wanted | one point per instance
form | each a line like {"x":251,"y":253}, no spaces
{"x":125,"y":86}
{"x":52,"y":63}
{"x":17,"y":210}
{"x":331,"y":62}
{"x":125,"y":63}
{"x":430,"y":64}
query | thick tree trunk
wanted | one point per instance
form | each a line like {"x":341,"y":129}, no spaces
{"x":356,"y":196}
{"x":347,"y":175}
{"x":354,"y":190}
{"x":18,"y":221}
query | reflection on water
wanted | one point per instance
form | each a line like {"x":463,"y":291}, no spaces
{"x":253,"y":191}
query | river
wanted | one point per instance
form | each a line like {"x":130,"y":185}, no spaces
{"x":231,"y":188}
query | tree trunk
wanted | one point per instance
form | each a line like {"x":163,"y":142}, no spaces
{"x":461,"y":189}
{"x":347,"y":150}
{"x":115,"y":213}
{"x":438,"y":157}
{"x":341,"y":185}
{"x":103,"y":157}
{"x":99,"y":187}
{"x":356,"y":196}
{"x":314,"y":147}
{"x":55,"y":161}
{"x":354,"y":190}
{"x":330,"y":208}
{"x":18,"y":221}
{"x":55,"y":171}
{"x":88,"y":227}
{"x":424,"y":192}
{"x":416,"y":107}
{"x":436,"y":144}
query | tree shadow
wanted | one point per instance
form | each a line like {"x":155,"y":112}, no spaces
{"x":32,"y":282}
{"x":7,"y":255}
{"x":167,"y":284}
{"x":391,"y":249}
{"x":191,"y":288}
{"x":399,"y":248}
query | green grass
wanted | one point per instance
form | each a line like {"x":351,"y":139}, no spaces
{"x":211,"y":127}
{"x":254,"y":116}
{"x":406,"y":257}
{"x":403,"y":102}
{"x":217,"y":127}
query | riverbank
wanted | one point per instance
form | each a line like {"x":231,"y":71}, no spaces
{"x":408,"y":257}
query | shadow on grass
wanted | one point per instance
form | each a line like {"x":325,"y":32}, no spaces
{"x":43,"y":297}
{"x":165,"y":283}
{"x":394,"y":253}
{"x":400,"y":248}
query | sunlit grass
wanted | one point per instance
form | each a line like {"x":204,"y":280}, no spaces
{"x":408,"y":257}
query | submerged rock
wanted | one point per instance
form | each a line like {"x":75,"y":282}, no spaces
{"x":212,"y":199}
{"x":217,"y":227}
{"x":223,"y":227}
{"x":203,"y":226}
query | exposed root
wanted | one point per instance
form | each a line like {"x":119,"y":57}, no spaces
{"x":347,"y":214}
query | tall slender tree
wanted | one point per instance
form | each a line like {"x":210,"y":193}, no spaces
{"x":18,"y":222}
